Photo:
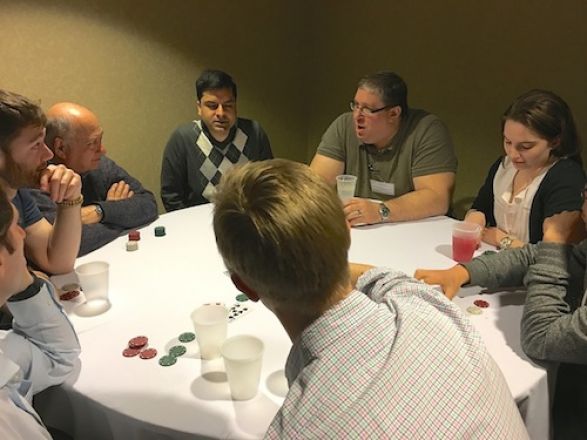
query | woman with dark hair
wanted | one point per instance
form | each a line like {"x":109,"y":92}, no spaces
{"x":539,"y":176}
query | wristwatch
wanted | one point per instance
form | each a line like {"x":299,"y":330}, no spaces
{"x":383,"y":212}
{"x":506,"y":242}
{"x":99,"y":212}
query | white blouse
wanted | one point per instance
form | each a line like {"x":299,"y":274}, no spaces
{"x":514,"y":217}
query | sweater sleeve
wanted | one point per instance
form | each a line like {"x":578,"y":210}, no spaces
{"x":138,"y":210}
{"x":264,"y":145}
{"x":97,"y":235}
{"x":554,"y":323}
{"x":504,"y":269}
{"x":484,"y":202}
{"x":174,"y":181}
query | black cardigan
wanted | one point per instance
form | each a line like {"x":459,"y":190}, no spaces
{"x":560,"y":190}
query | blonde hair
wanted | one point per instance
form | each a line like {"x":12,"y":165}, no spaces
{"x":281,"y":228}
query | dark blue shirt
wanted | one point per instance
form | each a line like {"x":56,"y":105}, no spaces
{"x":27,"y":208}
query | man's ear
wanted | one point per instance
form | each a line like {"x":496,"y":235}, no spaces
{"x":395,"y":112}
{"x":59,"y":148}
{"x":199,"y":108}
{"x":244,"y":288}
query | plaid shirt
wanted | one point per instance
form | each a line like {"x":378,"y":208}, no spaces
{"x":400,"y":362}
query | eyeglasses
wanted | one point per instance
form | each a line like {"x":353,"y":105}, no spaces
{"x":366,"y":110}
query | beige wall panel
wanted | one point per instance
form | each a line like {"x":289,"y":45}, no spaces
{"x":463,"y":60}
{"x":135,"y":63}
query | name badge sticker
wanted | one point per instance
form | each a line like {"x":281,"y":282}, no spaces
{"x":383,"y":187}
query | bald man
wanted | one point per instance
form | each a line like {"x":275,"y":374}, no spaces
{"x":114,"y":201}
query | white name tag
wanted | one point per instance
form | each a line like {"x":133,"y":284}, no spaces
{"x":383,"y":187}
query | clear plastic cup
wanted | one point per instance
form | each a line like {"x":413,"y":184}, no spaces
{"x":345,"y":186}
{"x":243,"y":358}
{"x":210,"y":322}
{"x":94,"y":279}
{"x":465,"y":237}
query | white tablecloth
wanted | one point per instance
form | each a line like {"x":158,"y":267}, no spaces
{"x":153,"y":292}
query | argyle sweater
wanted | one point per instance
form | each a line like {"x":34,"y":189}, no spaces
{"x":194,"y":162}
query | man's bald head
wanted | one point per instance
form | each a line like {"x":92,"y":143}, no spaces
{"x":74,"y":135}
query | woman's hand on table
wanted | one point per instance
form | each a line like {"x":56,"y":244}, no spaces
{"x":450,"y":280}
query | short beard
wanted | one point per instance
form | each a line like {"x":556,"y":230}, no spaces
{"x":17,"y":177}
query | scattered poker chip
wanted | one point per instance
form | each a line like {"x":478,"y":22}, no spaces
{"x":132,"y":246}
{"x":490,"y":252}
{"x":72,"y":286}
{"x":148,"y":353}
{"x":138,"y":342}
{"x":134,"y":236}
{"x":159,"y":231}
{"x":187,"y":337}
{"x":68,"y":296}
{"x":130,"y":352}
{"x":167,"y":361}
{"x":177,"y":350}
{"x":242,"y":297}
{"x":474,"y":310}
{"x":481,"y":303}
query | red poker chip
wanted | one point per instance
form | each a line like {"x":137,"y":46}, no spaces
{"x":481,"y":303}
{"x":138,"y":342}
{"x":148,"y":353}
{"x":130,"y":352}
{"x":68,"y":296}
{"x":134,"y":235}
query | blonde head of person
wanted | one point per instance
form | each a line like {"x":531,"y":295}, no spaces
{"x":283,"y":236}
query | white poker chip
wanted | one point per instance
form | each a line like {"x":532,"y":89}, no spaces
{"x":474,"y":310}
{"x":132,"y":245}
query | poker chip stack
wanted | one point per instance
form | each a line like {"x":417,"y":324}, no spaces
{"x":133,"y":241}
{"x":138,"y":346}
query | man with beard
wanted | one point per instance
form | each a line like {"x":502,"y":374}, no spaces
{"x":200,"y":152}
{"x":23,"y":165}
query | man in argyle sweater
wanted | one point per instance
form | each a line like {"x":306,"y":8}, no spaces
{"x":200,"y":152}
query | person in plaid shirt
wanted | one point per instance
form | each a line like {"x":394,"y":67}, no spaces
{"x":376,"y":354}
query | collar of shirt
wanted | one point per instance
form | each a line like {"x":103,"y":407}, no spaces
{"x":329,"y":328}
{"x":226,"y":142}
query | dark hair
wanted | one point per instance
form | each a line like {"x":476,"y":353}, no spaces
{"x":6,"y":217}
{"x":549,"y":116}
{"x":392,"y":89}
{"x":16,"y":113}
{"x":213,"y":80}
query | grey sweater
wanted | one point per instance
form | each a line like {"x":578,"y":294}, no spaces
{"x":119,"y":216}
{"x":554,"y":322}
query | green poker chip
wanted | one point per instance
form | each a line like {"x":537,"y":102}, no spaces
{"x":242,"y":297}
{"x":177,"y":350}
{"x":187,"y":337}
{"x":167,"y":361}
